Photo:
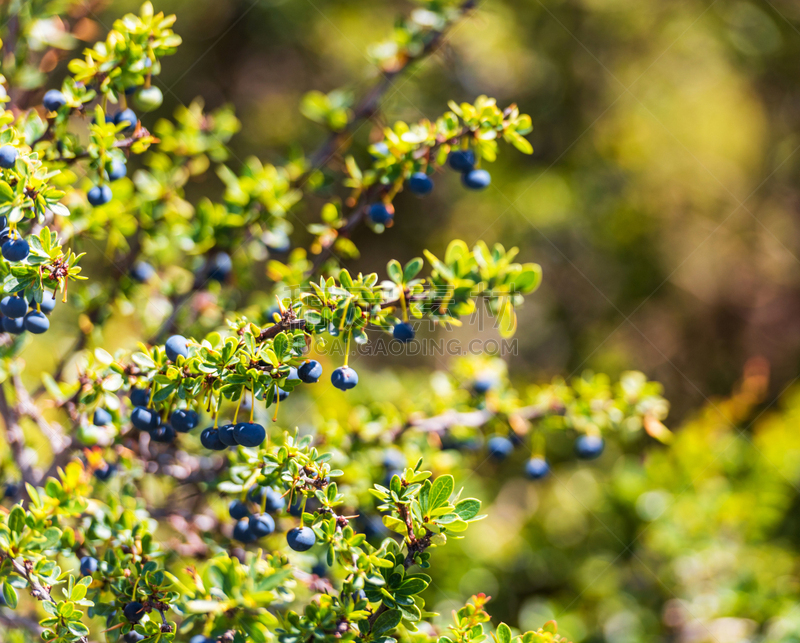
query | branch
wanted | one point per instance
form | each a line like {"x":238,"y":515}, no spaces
{"x":16,"y":438}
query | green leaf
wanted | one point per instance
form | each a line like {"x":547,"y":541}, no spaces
{"x":387,"y":622}
{"x":16,"y":520}
{"x":503,"y":634}
{"x":395,"y":271}
{"x":441,"y":491}
{"x":10,"y":596}
{"x":412,"y":269}
{"x":468,"y":508}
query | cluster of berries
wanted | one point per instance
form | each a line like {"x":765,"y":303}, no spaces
{"x":16,"y":318}
{"x":252,"y":526}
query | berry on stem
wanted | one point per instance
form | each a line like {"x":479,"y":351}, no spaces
{"x":309,"y":371}
{"x":126,"y":116}
{"x":537,"y":468}
{"x":499,"y":447}
{"x":145,"y":419}
{"x":14,"y":325}
{"x":117,"y":170}
{"x":420,"y":183}
{"x":99,"y":195}
{"x":89,"y":565}
{"x":242,"y":533}
{"x":249,"y":434}
{"x":164,"y":434}
{"x":176,"y":345}
{"x":101,"y":417}
{"x":184,"y":420}
{"x":403,"y":332}
{"x":344,"y":378}
{"x":8,"y":156}
{"x":301,"y":538}
{"x":36,"y":322}
{"x":15,"y":249}
{"x":142,"y":272}
{"x":380,"y":213}
{"x":461,"y":160}
{"x":13,"y":306}
{"x":476,"y":179}
{"x":262,"y":525}
{"x":53,"y":100}
{"x":589,"y":447}
{"x":133,"y":611}
{"x":227,"y":435}
{"x":48,"y":302}
{"x":238,"y":510}
{"x":209,"y":438}
{"x":140,"y":396}
{"x":220,"y":267}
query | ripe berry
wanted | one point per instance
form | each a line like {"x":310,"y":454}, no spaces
{"x":8,"y":156}
{"x":238,"y":510}
{"x":476,"y":179}
{"x":13,"y":306}
{"x":537,"y":468}
{"x":227,"y":435}
{"x":11,"y":490}
{"x":403,"y":331}
{"x":126,"y":116}
{"x":242,"y":533}
{"x":145,"y":419}
{"x":499,"y":447}
{"x":420,"y":183}
{"x":36,"y":322}
{"x":282,"y":395}
{"x":117,"y":170}
{"x":220,"y":267}
{"x":482,"y":384}
{"x":149,"y":98}
{"x":379,"y":213}
{"x":134,"y":637}
{"x":249,"y":434}
{"x":53,"y":100}
{"x":164,"y":434}
{"x":140,"y":396}
{"x":99,"y":195}
{"x":176,"y":345}
{"x":101,"y":417}
{"x":589,"y":447}
{"x":209,"y":438}
{"x":262,"y":525}
{"x":309,"y":371}
{"x":48,"y":302}
{"x":301,"y":538}
{"x":461,"y":160}
{"x":105,"y":473}
{"x":15,"y":249}
{"x":133,"y":611}
{"x":344,"y":378}
{"x":89,"y":566}
{"x":274,"y":501}
{"x":199,"y":638}
{"x":15,"y":326}
{"x":184,"y":420}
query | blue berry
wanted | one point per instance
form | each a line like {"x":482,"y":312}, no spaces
{"x":11,"y":490}
{"x":483,"y":384}
{"x":15,"y":249}
{"x":199,"y":638}
{"x":14,"y":325}
{"x":499,"y":447}
{"x":589,"y":447}
{"x":140,"y":396}
{"x":117,"y":170}
{"x":238,"y":510}
{"x":293,"y":376}
{"x":403,"y":331}
{"x":101,"y":417}
{"x":164,"y":434}
{"x":184,"y":420}
{"x":126,"y":116}
{"x":249,"y":434}
{"x":142,"y":272}
{"x":176,"y":345}
{"x":476,"y":179}
{"x":301,"y":538}
{"x":105,"y":473}
{"x":145,"y":419}
{"x":274,"y":501}
{"x":134,"y":637}
{"x":537,"y":468}
{"x":242,"y":533}
{"x":220,"y":267}
{"x":227,"y":435}
{"x":89,"y":565}
{"x":133,"y":611}
{"x":8,"y":156}
{"x":48,"y":302}
{"x":36,"y":322}
{"x":420,"y":183}
{"x":53,"y":100}
{"x":209,"y":438}
{"x":262,"y":525}
{"x":99,"y":195}
{"x":310,"y":371}
{"x":461,"y":160}
{"x":344,"y":378}
{"x":13,"y":306}
{"x":379,"y":213}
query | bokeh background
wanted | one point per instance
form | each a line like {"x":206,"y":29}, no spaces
{"x":661,"y":201}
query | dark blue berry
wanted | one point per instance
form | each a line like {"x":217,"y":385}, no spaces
{"x":101,"y":417}
{"x":36,"y":322}
{"x":145,"y":419}
{"x":420,"y":183}
{"x":140,"y":396}
{"x":99,"y":195}
{"x":227,"y":435}
{"x":249,"y":434}
{"x":309,"y":371}
{"x":461,"y":160}
{"x":209,"y":438}
{"x":13,"y":306}
{"x":117,"y":170}
{"x":344,"y":378}
{"x":89,"y":565}
{"x":15,"y":249}
{"x":301,"y":538}
{"x":379,"y":213}
{"x":48,"y":303}
{"x":133,"y":611}
{"x":184,"y":420}
{"x":53,"y":100}
{"x":176,"y":345}
{"x":133,"y":637}
{"x":127,"y":116}
{"x":262,"y":525}
{"x":292,"y":376}
{"x":403,"y":331}
{"x":105,"y":473}
{"x":537,"y":468}
{"x":11,"y":490}
{"x":8,"y":156}
{"x":482,"y":384}
{"x":476,"y":179}
{"x":142,"y":272}
{"x":589,"y":447}
{"x":15,"y":326}
{"x":220,"y":267}
{"x":499,"y":447}
{"x":164,"y":434}
{"x":238,"y":510}
{"x":274,"y":501}
{"x":242,"y":533}
{"x":199,"y":638}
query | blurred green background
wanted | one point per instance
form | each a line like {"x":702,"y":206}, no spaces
{"x":661,"y":201}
